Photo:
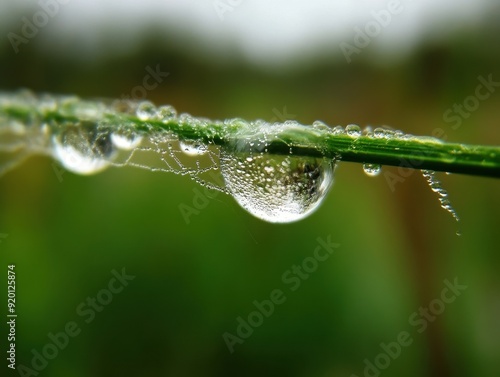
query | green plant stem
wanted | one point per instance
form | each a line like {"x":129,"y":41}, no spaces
{"x":417,"y":153}
{"x":407,"y":152}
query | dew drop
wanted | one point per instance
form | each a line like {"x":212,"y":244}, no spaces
{"x":277,"y":189}
{"x":353,"y":130}
{"x":379,"y":133}
{"x":146,"y":111}
{"x":385,"y":133}
{"x":166,"y":113}
{"x":372,"y":170}
{"x":338,"y":130}
{"x":320,"y":126}
{"x":193,"y":147}
{"x":126,"y":140}
{"x":368,"y":131}
{"x":83,"y":149}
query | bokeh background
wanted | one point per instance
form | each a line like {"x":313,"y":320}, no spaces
{"x":270,"y":60}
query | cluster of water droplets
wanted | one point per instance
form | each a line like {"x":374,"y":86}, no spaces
{"x":437,"y":187}
{"x":21,"y":138}
{"x":164,"y":151}
{"x":87,"y":137}
{"x":385,"y":133}
{"x":94,"y":141}
{"x":355,"y":132}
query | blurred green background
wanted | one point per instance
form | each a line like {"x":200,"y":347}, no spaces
{"x":67,"y":233}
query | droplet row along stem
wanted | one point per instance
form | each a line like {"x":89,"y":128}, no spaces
{"x":416,"y":152}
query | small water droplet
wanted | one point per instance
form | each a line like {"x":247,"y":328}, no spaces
{"x":372,"y":170}
{"x":353,"y":130}
{"x":83,"y":149}
{"x":277,"y":189}
{"x":146,"y":111}
{"x":193,"y":147}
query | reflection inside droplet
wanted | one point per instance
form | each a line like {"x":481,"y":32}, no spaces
{"x":193,"y":147}
{"x":372,"y":170}
{"x":274,"y":188}
{"x":82,"y":149}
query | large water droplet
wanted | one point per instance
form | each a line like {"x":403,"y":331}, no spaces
{"x":278,"y":189}
{"x":372,"y":170}
{"x":83,"y":149}
{"x":193,"y":147}
{"x":126,"y":140}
